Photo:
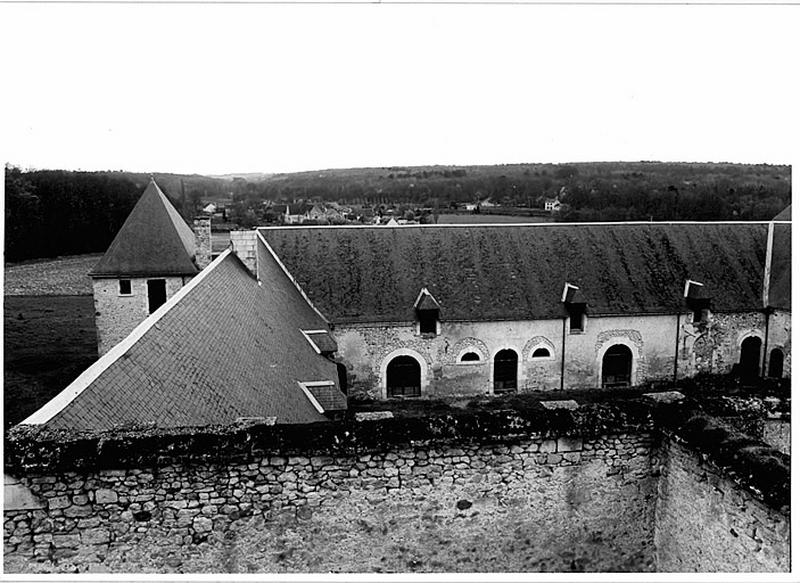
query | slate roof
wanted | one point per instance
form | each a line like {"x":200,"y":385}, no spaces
{"x":426,"y":301}
{"x":784,"y":215}
{"x":228,"y":348}
{"x":153,"y":240}
{"x":780,"y":286}
{"x":517,"y":272}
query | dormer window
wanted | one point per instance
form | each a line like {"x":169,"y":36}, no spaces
{"x":428,"y":321}
{"x":697,"y":300}
{"x":575,"y":305}
{"x":576,"y":321}
{"x":699,"y":315}
{"x":427,"y":311}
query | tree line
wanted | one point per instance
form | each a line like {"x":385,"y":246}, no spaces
{"x":55,"y":212}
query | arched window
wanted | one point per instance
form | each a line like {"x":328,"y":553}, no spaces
{"x":403,"y":377}
{"x":617,"y":363}
{"x":776,"y":363}
{"x":505,"y":371}
{"x":470,"y":357}
{"x":541,"y":353}
{"x":750,"y":357}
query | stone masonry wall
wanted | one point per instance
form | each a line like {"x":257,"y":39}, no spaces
{"x":522,"y":505}
{"x":711,"y":347}
{"x":778,"y":433}
{"x":116,"y":315}
{"x":780,"y":337}
{"x":705,"y":523}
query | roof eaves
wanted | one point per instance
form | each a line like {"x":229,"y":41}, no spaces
{"x":75,"y":388}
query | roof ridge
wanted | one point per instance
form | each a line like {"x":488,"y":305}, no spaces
{"x":85,"y":379}
{"x":517,"y":225}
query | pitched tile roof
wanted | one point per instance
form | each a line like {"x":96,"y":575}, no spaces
{"x":780,"y":286}
{"x":784,"y":215}
{"x":154,"y":240}
{"x":228,"y":348}
{"x":425,"y":301}
{"x":510,"y":272}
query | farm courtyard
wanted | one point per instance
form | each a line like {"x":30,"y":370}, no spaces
{"x":49,"y":338}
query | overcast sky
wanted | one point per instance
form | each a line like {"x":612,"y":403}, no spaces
{"x":270,"y":88}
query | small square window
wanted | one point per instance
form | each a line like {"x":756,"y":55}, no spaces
{"x":427,"y":321}
{"x":576,"y":321}
{"x":125,"y":287}
{"x":699,"y":315}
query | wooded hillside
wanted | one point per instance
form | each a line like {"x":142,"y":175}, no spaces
{"x":56,"y":212}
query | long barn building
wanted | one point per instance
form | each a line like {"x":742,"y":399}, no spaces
{"x":290,"y":320}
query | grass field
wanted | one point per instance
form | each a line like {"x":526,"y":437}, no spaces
{"x":62,"y":276}
{"x":483,"y":218}
{"x":48,"y":342}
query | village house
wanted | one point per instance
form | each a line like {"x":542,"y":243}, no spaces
{"x":290,"y":319}
{"x":295,"y":213}
{"x":552,"y":204}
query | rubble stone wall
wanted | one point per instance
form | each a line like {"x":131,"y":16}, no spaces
{"x":529,"y":505}
{"x":116,"y":315}
{"x":708,"y":347}
{"x":705,"y":523}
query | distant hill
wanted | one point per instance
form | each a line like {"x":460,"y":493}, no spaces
{"x":590,"y":191}
{"x":57,"y":212}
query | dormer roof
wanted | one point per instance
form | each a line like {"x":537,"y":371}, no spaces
{"x":153,"y":241}
{"x":572,"y":295}
{"x":694,"y":290}
{"x":426,"y":301}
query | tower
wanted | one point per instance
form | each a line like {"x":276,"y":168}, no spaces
{"x":153,"y":255}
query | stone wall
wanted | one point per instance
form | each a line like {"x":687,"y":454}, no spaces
{"x":244,"y":245}
{"x":631,"y":485}
{"x":780,"y":337}
{"x":705,"y":523}
{"x":367,"y":349}
{"x":202,"y":238}
{"x":711,"y":347}
{"x":116,"y":315}
{"x":778,"y":434}
{"x":533,"y":505}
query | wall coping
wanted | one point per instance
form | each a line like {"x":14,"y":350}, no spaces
{"x":40,"y":449}
{"x":751,"y":464}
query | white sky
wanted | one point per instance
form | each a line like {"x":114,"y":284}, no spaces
{"x":265,"y":88}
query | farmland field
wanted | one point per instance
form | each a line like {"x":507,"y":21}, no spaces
{"x":63,"y":276}
{"x":484,"y":218}
{"x":49,"y":338}
{"x":48,"y":341}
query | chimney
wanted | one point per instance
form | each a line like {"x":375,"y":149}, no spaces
{"x":244,"y":245}
{"x":202,"y":241}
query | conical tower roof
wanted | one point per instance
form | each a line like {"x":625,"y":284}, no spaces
{"x":153,"y":241}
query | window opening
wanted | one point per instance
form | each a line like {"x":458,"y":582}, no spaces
{"x":156,"y":293}
{"x":403,"y":377}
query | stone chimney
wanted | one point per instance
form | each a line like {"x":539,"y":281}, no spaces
{"x":202,"y":240}
{"x":244,"y":245}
